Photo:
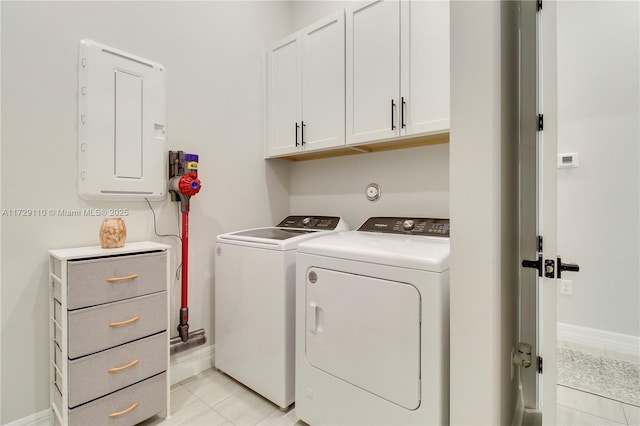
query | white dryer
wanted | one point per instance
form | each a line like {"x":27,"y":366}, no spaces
{"x":255,"y":303}
{"x":372,"y":324}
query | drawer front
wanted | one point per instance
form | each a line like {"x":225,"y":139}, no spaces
{"x":128,"y":406}
{"x":96,"y":281}
{"x":101,"y":327}
{"x":92,"y":376}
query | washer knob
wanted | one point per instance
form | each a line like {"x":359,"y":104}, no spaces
{"x":408,"y":225}
{"x":306,"y":221}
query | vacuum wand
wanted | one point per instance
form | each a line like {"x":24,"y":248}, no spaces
{"x":183,"y":326}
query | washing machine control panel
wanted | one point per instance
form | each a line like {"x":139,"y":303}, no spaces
{"x":310,"y":222}
{"x":404,"y":225}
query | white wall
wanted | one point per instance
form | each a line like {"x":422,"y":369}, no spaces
{"x":483,"y":202}
{"x":414,"y":182}
{"x":214,"y":56}
{"x":599,"y":202}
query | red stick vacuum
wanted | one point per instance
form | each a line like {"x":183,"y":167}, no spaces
{"x":184,"y":184}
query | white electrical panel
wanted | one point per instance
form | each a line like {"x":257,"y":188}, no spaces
{"x":122,"y":118}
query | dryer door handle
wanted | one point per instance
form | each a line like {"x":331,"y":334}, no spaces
{"x":316,"y":313}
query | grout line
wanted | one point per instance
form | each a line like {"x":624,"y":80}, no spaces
{"x":596,"y":395}
{"x":624,"y":412}
{"x":626,"y":423}
{"x":613,"y":402}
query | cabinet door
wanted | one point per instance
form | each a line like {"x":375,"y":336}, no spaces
{"x":323,"y":84}
{"x":284,"y":96}
{"x":425,"y":67}
{"x":373,"y":71}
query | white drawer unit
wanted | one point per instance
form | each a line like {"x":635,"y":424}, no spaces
{"x":109,"y":330}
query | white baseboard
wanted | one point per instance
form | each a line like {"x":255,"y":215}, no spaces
{"x":607,"y":340}
{"x":189,"y":363}
{"x":37,"y":419}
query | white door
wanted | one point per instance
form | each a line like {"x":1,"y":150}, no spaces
{"x":285,"y":93}
{"x":538,"y":218}
{"x":528,"y":221}
{"x":547,"y":209}
{"x":589,"y":95}
{"x":323,"y":77}
{"x":424,"y":101}
{"x":365,"y":331}
{"x":596,"y":103}
{"x":373,"y":71}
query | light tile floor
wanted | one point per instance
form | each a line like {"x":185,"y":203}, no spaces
{"x":213,"y":398}
{"x":581,"y":408}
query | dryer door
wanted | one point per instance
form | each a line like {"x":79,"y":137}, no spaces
{"x":365,"y":331}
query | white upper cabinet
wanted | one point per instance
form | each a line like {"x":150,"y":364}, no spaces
{"x":323,"y":83}
{"x":307,"y":89}
{"x":425,"y":67}
{"x":397,"y":70}
{"x":285,"y":95}
{"x":373,"y":71}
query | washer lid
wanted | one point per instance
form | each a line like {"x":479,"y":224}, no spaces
{"x":405,"y":251}
{"x":287,"y":234}
{"x":272,"y":233}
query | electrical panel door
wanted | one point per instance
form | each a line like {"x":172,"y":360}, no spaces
{"x":122,"y":117}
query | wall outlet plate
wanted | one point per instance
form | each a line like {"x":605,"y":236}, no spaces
{"x":566,"y":287}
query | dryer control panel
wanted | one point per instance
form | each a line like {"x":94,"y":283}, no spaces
{"x":407,"y":225}
{"x":326,"y":223}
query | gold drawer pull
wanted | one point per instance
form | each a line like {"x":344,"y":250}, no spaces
{"x":129,"y":321}
{"x":120,"y":413}
{"x":127,"y":278}
{"x":124,"y":367}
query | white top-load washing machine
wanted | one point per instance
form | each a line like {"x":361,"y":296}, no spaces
{"x":255,"y":303}
{"x":372,"y":324}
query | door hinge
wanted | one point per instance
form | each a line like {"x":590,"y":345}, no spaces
{"x":540,"y":122}
{"x":539,"y":5}
{"x":539,"y":365}
{"x":539,"y":244}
